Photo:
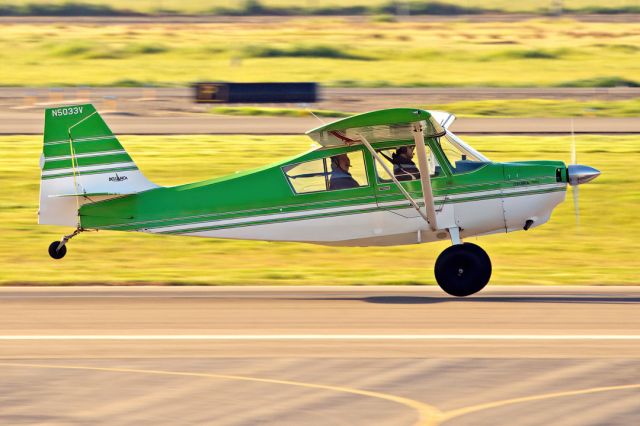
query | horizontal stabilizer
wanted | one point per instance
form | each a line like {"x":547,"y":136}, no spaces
{"x":93,"y":194}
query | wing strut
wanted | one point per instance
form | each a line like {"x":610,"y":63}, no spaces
{"x":425,"y":175}
{"x":404,"y":192}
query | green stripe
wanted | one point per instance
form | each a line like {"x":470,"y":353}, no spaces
{"x":392,"y":195}
{"x":160,"y":223}
{"x":516,"y":194}
{"x":266,"y":222}
{"x":535,"y":192}
{"x":291,"y":219}
{"x":88,"y":161}
{"x":92,"y":172}
{"x":321,"y":215}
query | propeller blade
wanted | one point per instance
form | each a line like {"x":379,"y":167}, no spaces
{"x":574,"y":156}
{"x":575,"y":190}
{"x":576,"y":204}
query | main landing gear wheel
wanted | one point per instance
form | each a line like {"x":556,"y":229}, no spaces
{"x":55,"y":252}
{"x":463,"y":269}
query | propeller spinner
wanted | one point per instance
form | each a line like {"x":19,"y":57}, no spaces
{"x":578,"y":174}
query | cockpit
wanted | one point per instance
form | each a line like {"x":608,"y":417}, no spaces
{"x":390,"y":136}
{"x":461,"y":157}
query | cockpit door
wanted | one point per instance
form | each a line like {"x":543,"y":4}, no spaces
{"x":401,"y":161}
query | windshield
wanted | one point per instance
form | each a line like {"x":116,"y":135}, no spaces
{"x":461,"y":156}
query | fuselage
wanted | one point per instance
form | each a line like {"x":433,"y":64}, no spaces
{"x":263,"y":204}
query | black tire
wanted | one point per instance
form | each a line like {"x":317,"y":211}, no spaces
{"x":463,"y":269}
{"x":54,"y":252}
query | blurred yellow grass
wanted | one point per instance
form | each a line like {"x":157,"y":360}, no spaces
{"x":603,"y":250}
{"x":476,"y":108}
{"x":542,"y":52}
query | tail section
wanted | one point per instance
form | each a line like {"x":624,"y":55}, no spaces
{"x":82,"y":162}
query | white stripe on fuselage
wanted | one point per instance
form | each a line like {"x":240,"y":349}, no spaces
{"x":260,"y":218}
{"x":338,"y":210}
{"x":396,"y":226}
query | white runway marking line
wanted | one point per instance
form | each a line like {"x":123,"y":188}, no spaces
{"x":327,"y":337}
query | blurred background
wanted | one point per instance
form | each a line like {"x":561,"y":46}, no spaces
{"x":517,"y":74}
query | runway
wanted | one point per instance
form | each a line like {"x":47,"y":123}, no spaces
{"x":156,"y":111}
{"x":319,"y":355}
{"x":32,"y":124}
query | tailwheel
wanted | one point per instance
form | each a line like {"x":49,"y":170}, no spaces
{"x":463,"y":269}
{"x":56,"y":251}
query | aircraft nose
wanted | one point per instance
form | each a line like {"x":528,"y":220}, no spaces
{"x":579,"y":174}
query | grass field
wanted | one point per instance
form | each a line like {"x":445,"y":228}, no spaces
{"x":330,"y":51}
{"x":477,"y":108}
{"x":603,"y":250}
{"x":362,"y":6}
{"x":542,"y":108}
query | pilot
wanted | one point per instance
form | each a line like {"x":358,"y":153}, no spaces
{"x":403,"y":166}
{"x":340,"y":177}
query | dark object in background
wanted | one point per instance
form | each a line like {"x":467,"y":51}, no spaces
{"x":255,"y":92}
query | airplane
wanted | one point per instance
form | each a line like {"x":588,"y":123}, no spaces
{"x":359,"y":186}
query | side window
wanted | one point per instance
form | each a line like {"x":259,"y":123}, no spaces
{"x":343,"y":171}
{"x":347,"y":171}
{"x":402,"y":161}
{"x":307,"y":177}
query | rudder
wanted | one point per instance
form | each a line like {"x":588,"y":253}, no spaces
{"x":82,"y":161}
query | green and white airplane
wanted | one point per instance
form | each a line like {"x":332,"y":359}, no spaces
{"x":359,"y":187}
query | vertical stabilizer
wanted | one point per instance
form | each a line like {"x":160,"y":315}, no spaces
{"x":82,"y":162}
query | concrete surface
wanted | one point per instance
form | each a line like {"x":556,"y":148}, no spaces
{"x":324,"y":355}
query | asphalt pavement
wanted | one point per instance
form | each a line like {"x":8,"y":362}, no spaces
{"x":172,"y":110}
{"x":319,"y":355}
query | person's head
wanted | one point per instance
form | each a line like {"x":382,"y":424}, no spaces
{"x":341,"y":161}
{"x":406,"y":152}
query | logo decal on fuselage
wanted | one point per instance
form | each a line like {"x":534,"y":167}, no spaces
{"x":117,"y":178}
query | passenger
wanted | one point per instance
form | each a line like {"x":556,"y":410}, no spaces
{"x":403,"y":166}
{"x":340,"y":177}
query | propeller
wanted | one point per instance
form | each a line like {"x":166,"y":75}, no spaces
{"x":575,"y":190}
{"x":578,"y":174}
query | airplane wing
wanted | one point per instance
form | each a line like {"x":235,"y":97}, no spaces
{"x":445,"y":119}
{"x":376,"y":126}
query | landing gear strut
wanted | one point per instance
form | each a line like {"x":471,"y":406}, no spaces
{"x":58,"y":249}
{"x":463,"y":269}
